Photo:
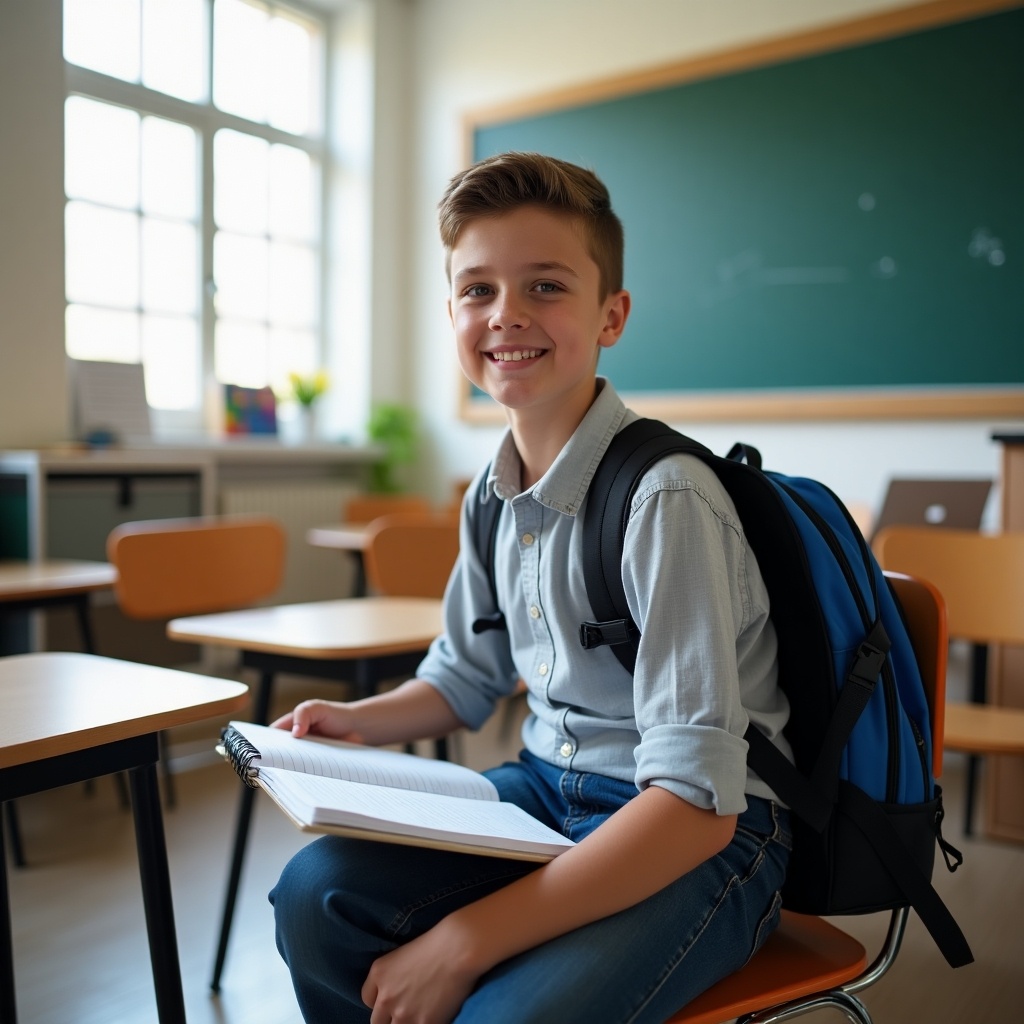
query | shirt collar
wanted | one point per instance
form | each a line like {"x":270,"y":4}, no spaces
{"x":565,"y":484}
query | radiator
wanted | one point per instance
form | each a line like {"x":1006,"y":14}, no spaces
{"x":311,"y":574}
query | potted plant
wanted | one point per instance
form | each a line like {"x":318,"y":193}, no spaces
{"x":394,"y":426}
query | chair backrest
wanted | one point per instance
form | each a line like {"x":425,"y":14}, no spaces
{"x":981,"y":576}
{"x":925,"y":613}
{"x":411,"y":555}
{"x":364,"y":508}
{"x":171,"y":567}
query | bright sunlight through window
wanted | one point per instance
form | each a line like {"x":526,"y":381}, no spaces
{"x":199,"y":273}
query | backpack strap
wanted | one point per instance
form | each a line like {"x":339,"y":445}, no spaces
{"x":631,"y":453}
{"x":633,"y":450}
{"x":484,"y":523}
{"x":915,"y":886}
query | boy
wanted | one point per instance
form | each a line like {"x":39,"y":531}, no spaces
{"x":681,"y":852}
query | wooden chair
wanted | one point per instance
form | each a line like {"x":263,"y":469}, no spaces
{"x":172,"y":567}
{"x":807,"y":963}
{"x":364,"y":508}
{"x":411,"y":554}
{"x":981,"y":577}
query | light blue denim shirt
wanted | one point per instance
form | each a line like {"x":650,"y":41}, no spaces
{"x":706,"y":664}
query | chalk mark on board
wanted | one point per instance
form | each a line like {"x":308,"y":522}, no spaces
{"x":745,"y":271}
{"x":985,"y":246}
{"x":884,"y":268}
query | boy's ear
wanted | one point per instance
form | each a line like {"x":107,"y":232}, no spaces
{"x":616,"y":315}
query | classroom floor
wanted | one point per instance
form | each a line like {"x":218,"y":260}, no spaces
{"x":81,"y":955}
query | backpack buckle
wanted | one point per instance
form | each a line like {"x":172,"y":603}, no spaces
{"x":870,"y":656}
{"x":488,"y":622}
{"x":599,"y":634}
{"x":867,"y":664}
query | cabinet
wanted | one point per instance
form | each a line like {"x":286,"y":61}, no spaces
{"x":64,"y":503}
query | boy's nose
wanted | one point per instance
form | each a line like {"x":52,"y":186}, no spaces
{"x":508,"y":315}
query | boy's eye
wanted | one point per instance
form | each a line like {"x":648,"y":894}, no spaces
{"x":547,"y":287}
{"x":477,"y":291}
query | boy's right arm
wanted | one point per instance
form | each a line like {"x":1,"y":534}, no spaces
{"x":415,"y":710}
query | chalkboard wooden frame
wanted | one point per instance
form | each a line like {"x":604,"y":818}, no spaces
{"x":828,"y":403}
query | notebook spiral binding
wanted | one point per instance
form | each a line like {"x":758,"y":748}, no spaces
{"x":241,"y":753}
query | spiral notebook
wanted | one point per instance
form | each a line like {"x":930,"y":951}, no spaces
{"x":370,"y":793}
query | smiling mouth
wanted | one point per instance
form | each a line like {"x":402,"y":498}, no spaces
{"x":518,"y":356}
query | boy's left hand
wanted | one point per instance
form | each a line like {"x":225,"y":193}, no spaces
{"x":418,"y":983}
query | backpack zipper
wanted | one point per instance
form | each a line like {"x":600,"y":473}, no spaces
{"x":922,"y":754}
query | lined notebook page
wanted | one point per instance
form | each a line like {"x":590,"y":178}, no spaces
{"x":323,"y":801}
{"x":370,"y":765}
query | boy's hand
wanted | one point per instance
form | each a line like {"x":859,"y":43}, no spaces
{"x":423,"y":982}
{"x":320,"y":718}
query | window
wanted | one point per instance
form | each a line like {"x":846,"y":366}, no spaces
{"x":194,"y":154}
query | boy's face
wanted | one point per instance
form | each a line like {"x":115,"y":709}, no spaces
{"x":528,"y":317}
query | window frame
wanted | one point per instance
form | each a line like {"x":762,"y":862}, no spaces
{"x":206,"y":119}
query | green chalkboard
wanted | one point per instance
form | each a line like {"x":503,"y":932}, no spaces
{"x":847,"y":220}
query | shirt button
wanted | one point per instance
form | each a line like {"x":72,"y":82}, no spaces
{"x":534,"y":612}
{"x":527,"y":539}
{"x":566,"y":750}
{"x":542,"y":669}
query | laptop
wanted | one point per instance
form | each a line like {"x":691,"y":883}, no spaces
{"x":955,"y":504}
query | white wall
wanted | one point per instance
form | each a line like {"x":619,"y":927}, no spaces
{"x":473,"y":53}
{"x":33,"y":389}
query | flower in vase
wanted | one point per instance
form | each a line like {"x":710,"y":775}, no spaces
{"x":307,"y":389}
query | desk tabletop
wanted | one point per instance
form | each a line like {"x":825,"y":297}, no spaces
{"x":52,"y":577}
{"x":984,"y":728}
{"x":362,"y":627}
{"x":343,"y":536}
{"x":58,"y":703}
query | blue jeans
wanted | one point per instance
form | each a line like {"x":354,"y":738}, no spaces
{"x":342,"y":903}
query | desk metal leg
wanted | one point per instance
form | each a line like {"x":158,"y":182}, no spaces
{"x":245,"y":805}
{"x":261,"y":711}
{"x":156,"y":894}
{"x":10,"y":817}
{"x":85,"y":623}
{"x":8,"y":1010}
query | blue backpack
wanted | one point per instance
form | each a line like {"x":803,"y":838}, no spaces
{"x":866,"y":808}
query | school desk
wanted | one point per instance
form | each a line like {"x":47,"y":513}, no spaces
{"x":28,"y":586}
{"x":32,"y":586}
{"x":68,"y":717}
{"x":365,"y":640}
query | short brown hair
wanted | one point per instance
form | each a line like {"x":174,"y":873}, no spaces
{"x":499,"y":184}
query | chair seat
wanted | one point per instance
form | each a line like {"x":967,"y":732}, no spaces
{"x":984,"y":729}
{"x":804,"y":955}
